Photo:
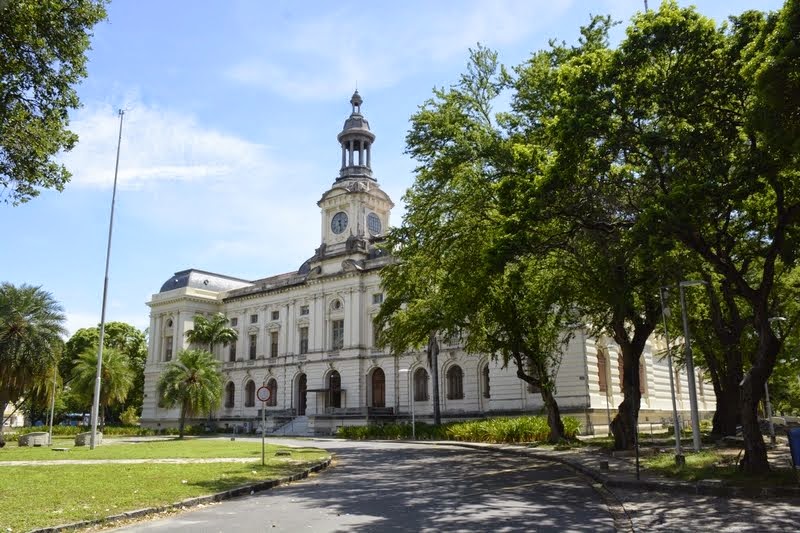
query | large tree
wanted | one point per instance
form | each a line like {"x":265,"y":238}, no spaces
{"x":209,"y":332}
{"x":703,"y":117}
{"x":193,"y":382}
{"x":447,"y":279}
{"x":31,"y":326}
{"x":43,"y":46}
{"x":120,"y":336}
{"x":116,"y":379}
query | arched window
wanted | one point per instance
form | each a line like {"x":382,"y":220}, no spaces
{"x":378,"y":388}
{"x":455,"y":383}
{"x":250,"y":394}
{"x":334,"y":389}
{"x":230,"y":394}
{"x":272,"y":385}
{"x":485,"y":382}
{"x":420,"y":385}
{"x":602,"y":369}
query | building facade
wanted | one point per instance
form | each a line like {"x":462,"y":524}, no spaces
{"x":308,"y":336}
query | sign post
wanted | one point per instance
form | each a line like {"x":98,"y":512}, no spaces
{"x":263,"y":394}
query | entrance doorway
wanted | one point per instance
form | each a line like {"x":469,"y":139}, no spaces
{"x":378,"y":388}
{"x":301,"y":394}
{"x":334,"y":389}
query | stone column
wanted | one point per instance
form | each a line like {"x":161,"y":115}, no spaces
{"x":344,"y":160}
{"x":350,"y":152}
{"x":158,"y":356}
{"x":177,"y":339}
{"x":369,"y":151}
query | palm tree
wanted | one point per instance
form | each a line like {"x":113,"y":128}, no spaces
{"x":211,"y":331}
{"x":193,"y":382}
{"x":31,"y":325}
{"x":116,"y":379}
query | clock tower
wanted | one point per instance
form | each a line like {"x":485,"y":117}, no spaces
{"x":354,"y":211}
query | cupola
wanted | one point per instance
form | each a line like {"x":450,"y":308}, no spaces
{"x":356,"y":141}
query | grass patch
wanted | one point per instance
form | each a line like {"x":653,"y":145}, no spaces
{"x":499,"y":430}
{"x":713,"y":464}
{"x":189,"y":448}
{"x":40,"y":496}
{"x":34,"y":497}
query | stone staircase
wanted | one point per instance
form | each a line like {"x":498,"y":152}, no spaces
{"x":297,"y":427}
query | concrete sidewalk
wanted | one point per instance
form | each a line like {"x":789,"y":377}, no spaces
{"x":621,"y":471}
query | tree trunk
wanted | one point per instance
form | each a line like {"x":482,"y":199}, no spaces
{"x":624,"y":424}
{"x":553,"y":416}
{"x":728,"y":415}
{"x":3,"y":405}
{"x":182,"y":421}
{"x":755,"y":451}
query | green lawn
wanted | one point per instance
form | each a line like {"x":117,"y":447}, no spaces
{"x":40,"y":496}
{"x":118,"y":449}
{"x":713,"y":464}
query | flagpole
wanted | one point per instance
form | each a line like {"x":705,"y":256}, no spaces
{"x":96,"y":401}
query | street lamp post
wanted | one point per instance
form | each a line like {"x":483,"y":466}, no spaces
{"x":99,"y":373}
{"x":690,"y":366}
{"x":679,"y":459}
{"x":768,"y":405}
{"x":412,"y":389}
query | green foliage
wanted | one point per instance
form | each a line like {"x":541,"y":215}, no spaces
{"x":116,"y":378}
{"x":451,"y":275}
{"x":129,"y":417}
{"x":31,"y":325}
{"x":193,"y":382}
{"x":498,"y":430}
{"x":118,"y":335}
{"x":208,"y":332}
{"x":42,"y":57}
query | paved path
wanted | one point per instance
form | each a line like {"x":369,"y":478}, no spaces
{"x":61,"y":462}
{"x":393,"y":486}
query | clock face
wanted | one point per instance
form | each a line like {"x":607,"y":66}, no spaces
{"x":373,"y":224}
{"x":339,"y":222}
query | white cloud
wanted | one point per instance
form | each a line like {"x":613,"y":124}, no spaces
{"x":217,"y":194}
{"x":157,"y":145}
{"x":325,"y":56}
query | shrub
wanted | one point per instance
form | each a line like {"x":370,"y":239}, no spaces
{"x":498,"y":430}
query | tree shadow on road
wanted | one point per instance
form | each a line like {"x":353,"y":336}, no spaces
{"x":449,"y":489}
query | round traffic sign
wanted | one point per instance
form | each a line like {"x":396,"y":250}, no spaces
{"x":263,"y":394}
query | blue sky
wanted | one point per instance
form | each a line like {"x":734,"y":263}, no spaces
{"x":232,"y":111}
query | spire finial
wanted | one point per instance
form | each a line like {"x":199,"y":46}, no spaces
{"x":356,"y":102}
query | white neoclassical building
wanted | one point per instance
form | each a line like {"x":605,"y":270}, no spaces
{"x":308,"y":337}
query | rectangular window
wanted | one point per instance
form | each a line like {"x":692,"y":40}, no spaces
{"x":168,"y":349}
{"x":303,"y":340}
{"x":273,"y":344}
{"x":253,"y":319}
{"x":253,"y":339}
{"x":377,"y":298}
{"x":303,"y":309}
{"x":276,"y":315}
{"x":234,"y":322}
{"x":337,"y":334}
{"x":232,"y":353}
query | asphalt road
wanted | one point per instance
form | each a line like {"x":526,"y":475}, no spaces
{"x":383,"y":487}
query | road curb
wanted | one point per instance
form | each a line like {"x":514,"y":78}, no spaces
{"x":622,"y":520}
{"x":191,"y":502}
{"x":708,"y":487}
